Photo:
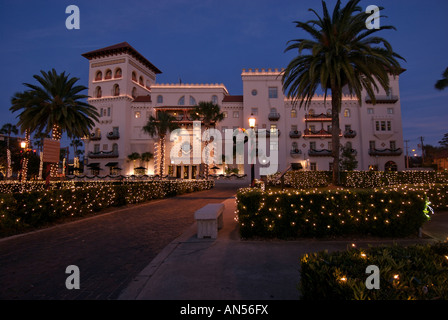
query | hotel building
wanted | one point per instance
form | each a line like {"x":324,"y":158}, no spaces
{"x":123,"y":88}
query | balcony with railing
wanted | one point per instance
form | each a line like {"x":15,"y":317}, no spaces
{"x":320,"y":153}
{"x":295,"y":134}
{"x":113,"y":135}
{"x":385,"y":152}
{"x":95,"y":136}
{"x":103,"y":154}
{"x":349,"y":134}
{"x":382,"y":99}
{"x":273,"y":116}
{"x":318,"y":133}
{"x":295,"y":153}
{"x":318,"y":117}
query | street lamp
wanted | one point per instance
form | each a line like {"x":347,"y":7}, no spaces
{"x":23,"y":144}
{"x":252,"y":166}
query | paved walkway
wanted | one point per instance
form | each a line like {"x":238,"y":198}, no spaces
{"x":109,"y":249}
{"x":231,"y":269}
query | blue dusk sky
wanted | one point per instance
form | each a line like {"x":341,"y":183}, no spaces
{"x":211,"y":41}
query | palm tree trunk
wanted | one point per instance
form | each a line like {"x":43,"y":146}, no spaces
{"x":56,"y":135}
{"x":162,"y":156}
{"x":336,"y":97}
{"x":25,"y":158}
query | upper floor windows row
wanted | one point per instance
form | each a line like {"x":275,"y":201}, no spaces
{"x":117,"y":74}
{"x":182,"y":101}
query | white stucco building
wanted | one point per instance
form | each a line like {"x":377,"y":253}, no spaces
{"x":123,"y":87}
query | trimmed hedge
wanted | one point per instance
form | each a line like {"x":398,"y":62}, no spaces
{"x":316,"y":213}
{"x":357,"y":179}
{"x":19,"y":211}
{"x":414,"y":272}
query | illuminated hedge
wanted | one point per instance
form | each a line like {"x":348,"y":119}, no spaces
{"x":417,"y":272}
{"x":20,"y":210}
{"x":316,"y":213}
{"x":357,"y":179}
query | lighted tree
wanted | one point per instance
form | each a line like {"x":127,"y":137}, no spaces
{"x":159,"y":127}
{"x":342,"y":53}
{"x":8,"y":129}
{"x":210,"y":114}
{"x":54,"y":105}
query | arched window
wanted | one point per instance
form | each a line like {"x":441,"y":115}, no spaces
{"x":140,"y":81}
{"x":118,"y":73}
{"x":98,"y":92}
{"x":116,"y":90}
{"x":294,"y":147}
{"x":348,"y":145}
{"x":273,"y":110}
{"x":346,"y":113}
{"x":134,"y":76}
{"x":181,"y":101}
{"x":293,"y":113}
{"x":159,"y":99}
{"x":108,"y":74}
{"x":99,"y":76}
{"x":192,"y":101}
{"x":215,"y":99}
{"x":134,"y":92}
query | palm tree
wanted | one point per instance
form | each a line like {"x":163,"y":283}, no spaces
{"x":54,"y":106}
{"x":146,"y":157}
{"x":210,"y":114}
{"x":343,"y":54}
{"x":159,"y":127}
{"x":442,"y":83}
{"x":7,"y":129}
{"x":134,"y":156}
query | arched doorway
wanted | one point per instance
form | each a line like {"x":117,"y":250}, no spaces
{"x":390,"y":166}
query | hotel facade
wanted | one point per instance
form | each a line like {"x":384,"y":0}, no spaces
{"x":123,"y":88}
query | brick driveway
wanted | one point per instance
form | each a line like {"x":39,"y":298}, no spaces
{"x":110,"y":249}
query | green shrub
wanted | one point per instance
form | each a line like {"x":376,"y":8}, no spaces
{"x":414,"y":272}
{"x":285,"y":214}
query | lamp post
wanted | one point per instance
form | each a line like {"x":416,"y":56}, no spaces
{"x":252,"y":166}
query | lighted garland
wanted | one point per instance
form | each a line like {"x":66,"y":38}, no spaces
{"x":22,"y":208}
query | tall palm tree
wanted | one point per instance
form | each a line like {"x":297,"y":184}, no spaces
{"x":210,"y":114}
{"x":8,"y":129}
{"x":159,"y":127}
{"x":56,"y":105}
{"x":343,"y":53}
{"x":442,"y":83}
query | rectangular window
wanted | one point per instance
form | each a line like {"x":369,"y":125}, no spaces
{"x":254,"y":111}
{"x":294,"y":128}
{"x":273,"y":128}
{"x":329,"y":128}
{"x":273,"y":94}
{"x":225,"y":114}
{"x":293,"y":113}
{"x":105,"y":146}
{"x":377,"y":125}
{"x":236,"y":114}
{"x":383,"y":125}
{"x":313,"y":166}
{"x":312,"y":127}
{"x":96,"y":148}
{"x":348,"y":127}
{"x":389,"y":126}
{"x":392,"y":145}
{"x":108,"y":111}
{"x":313,"y":145}
{"x":370,"y":111}
{"x":390,"y":110}
{"x":371,"y":145}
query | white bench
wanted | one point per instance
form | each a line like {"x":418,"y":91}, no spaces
{"x":209,"y":219}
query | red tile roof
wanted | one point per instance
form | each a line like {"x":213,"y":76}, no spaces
{"x":146,"y":98}
{"x":233,"y":99}
{"x":122,"y":47}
